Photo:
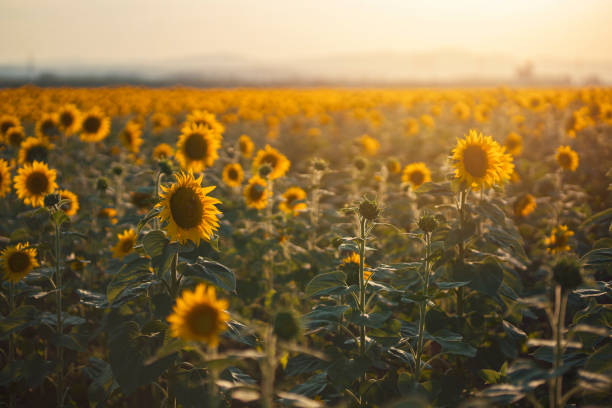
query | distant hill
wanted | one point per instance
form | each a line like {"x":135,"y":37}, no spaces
{"x":435,"y":67}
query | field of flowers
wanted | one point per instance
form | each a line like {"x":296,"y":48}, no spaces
{"x":305,"y":247}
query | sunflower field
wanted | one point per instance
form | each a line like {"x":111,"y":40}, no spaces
{"x":179,"y":247}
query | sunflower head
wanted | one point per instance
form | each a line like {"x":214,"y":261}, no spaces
{"x":514,"y":144}
{"x":95,"y":126}
{"x":275,"y":159}
{"x":415,"y":174}
{"x":34,"y":149}
{"x":7,"y":122}
{"x":5,"y":178}
{"x":69,"y":119}
{"x":206,"y":120}
{"x":197,"y":148}
{"x":368,"y":144}
{"x":14,"y":136}
{"x":72,"y":206}
{"x":233,"y":175}
{"x":131,"y":136}
{"x":109,"y":214}
{"x":199,"y":316}
{"x":162,"y":151}
{"x":188,"y":210}
{"x":125,"y":243}
{"x":479,"y":161}
{"x":558,"y":241}
{"x":524,"y":205}
{"x":33,"y":182}
{"x":567,"y":158}
{"x":393,"y":166}
{"x":18,"y":261}
{"x":48,"y":126}
{"x":246,"y":146}
{"x":256,"y":193}
{"x":293,"y":201}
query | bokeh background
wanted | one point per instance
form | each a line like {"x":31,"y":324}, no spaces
{"x":276,"y":42}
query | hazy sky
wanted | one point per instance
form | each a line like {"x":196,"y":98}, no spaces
{"x":125,"y":31}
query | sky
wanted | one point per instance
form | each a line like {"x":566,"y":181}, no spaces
{"x":124,"y":31}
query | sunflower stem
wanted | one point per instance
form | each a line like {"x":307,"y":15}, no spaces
{"x":462,"y":199}
{"x":174,"y":275}
{"x":362,"y":291}
{"x":11,"y":356}
{"x":212,"y":385}
{"x":268,"y":369}
{"x":423,"y":310}
{"x":556,"y":384}
{"x":59,"y":328}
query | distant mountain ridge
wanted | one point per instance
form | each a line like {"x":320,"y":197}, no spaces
{"x":434,"y":66}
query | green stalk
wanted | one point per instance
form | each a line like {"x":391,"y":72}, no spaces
{"x":268,"y":369}
{"x":462,"y":198}
{"x":11,"y":356}
{"x":423,"y":310}
{"x":556,"y":386}
{"x":362,"y":289}
{"x":174,"y":276}
{"x":59,"y":328}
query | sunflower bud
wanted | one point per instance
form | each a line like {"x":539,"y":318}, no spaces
{"x":51,"y":200}
{"x":369,"y":209}
{"x":360,"y":163}
{"x":117,"y":170}
{"x":566,"y":272}
{"x":265,"y":170}
{"x":287,"y":325}
{"x":428,"y":223}
{"x":102,"y":184}
{"x":165,"y":166}
{"x":319,"y":164}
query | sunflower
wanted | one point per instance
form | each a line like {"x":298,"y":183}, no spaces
{"x":416,"y":174}
{"x":199,"y":315}
{"x":411,"y":126}
{"x":69,"y":119}
{"x":109,"y":214}
{"x":33,"y":182}
{"x":14,"y":136}
{"x":351,"y":263}
{"x":125,"y":243}
{"x":48,"y":126}
{"x":7,"y":122}
{"x":480,"y":161}
{"x":197,"y":148}
{"x":233,"y":174}
{"x":72,"y":206}
{"x":368,"y":144}
{"x":131,"y":136}
{"x":256,"y":193}
{"x":605,"y":113}
{"x":428,"y":121}
{"x":5,"y":178}
{"x":162,"y":151}
{"x":18,"y":261}
{"x":514,"y":144}
{"x":95,"y":126}
{"x":524,"y":205}
{"x":34,"y":148}
{"x":206,"y":120}
{"x":393,"y":166}
{"x":558,"y":240}
{"x":275,"y":159}
{"x":246,"y":146}
{"x":293,"y":201}
{"x":190,"y":213}
{"x":567,"y":158}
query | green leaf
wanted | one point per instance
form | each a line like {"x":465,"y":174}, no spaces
{"x":372,"y":320}
{"x":312,"y":386}
{"x":324,"y":316}
{"x":602,"y":217}
{"x":154,"y":243}
{"x":19,"y":319}
{"x":484,"y":277}
{"x":130,"y":281}
{"x":129,"y":352}
{"x":450,"y":285}
{"x":213,"y":272}
{"x":597,"y":257}
{"x":103,"y":383}
{"x":302,"y":364}
{"x":327,"y":284}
